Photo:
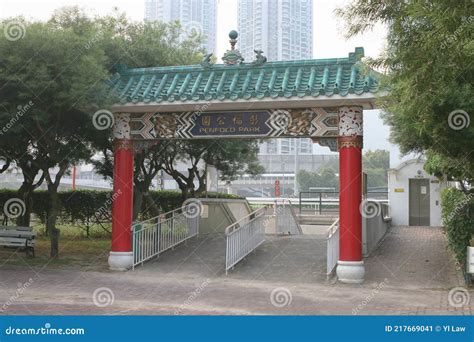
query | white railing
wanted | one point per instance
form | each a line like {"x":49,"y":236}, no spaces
{"x":332,"y":248}
{"x":243,"y":236}
{"x":158,"y":234}
{"x":286,"y":220}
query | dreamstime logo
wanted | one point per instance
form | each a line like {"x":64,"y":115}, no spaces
{"x":460,"y":207}
{"x":104,"y":209}
{"x":102,"y":297}
{"x":458,"y":119}
{"x":458,"y":297}
{"x":281,"y":118}
{"x":103,"y":119}
{"x":13,"y":208}
{"x":14,"y":30}
{"x":21,"y":287}
{"x":192,"y":208}
{"x":370,"y":297}
{"x":192,"y":297}
{"x":193,"y":30}
{"x":21,"y":110}
{"x":453,"y":38}
{"x":281,"y":297}
{"x":369,"y":209}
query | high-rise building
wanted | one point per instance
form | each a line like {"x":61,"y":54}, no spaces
{"x":196,"y":17}
{"x":281,"y":28}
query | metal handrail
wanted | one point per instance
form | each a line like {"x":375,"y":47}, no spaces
{"x":245,"y":238}
{"x":255,"y":214}
{"x":333,"y":228}
{"x":292,"y":211}
{"x":332,"y":248}
{"x":159,"y":216}
{"x":160,"y":233}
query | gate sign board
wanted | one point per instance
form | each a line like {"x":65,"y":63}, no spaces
{"x":303,"y":122}
{"x":233,"y":124}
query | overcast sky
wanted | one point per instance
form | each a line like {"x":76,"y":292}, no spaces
{"x":328,"y":40}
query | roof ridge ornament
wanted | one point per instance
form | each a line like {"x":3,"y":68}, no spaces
{"x":260,"y":59}
{"x":206,"y":61}
{"x":356,"y":55}
{"x":233,"y":56}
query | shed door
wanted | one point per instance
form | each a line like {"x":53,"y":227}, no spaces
{"x":419,"y":202}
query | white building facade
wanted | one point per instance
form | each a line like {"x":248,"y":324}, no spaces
{"x":283,"y":29}
{"x":197,"y":17}
{"x":414,"y":195}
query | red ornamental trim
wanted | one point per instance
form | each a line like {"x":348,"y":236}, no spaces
{"x":123,"y":144}
{"x":351,"y":141}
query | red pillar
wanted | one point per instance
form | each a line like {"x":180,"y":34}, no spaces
{"x":121,"y":257}
{"x":350,"y":267}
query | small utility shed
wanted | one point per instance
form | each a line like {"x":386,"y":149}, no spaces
{"x":414,"y":195}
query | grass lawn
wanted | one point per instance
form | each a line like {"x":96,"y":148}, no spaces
{"x":76,"y":250}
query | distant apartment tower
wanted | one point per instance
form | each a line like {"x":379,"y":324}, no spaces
{"x":192,"y":14}
{"x":281,"y":28}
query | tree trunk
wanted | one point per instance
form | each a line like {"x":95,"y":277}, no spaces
{"x":151,"y":204}
{"x":26,"y":194}
{"x":202,"y":184}
{"x":137,"y":201}
{"x":184,"y":192}
{"x":53,"y":213}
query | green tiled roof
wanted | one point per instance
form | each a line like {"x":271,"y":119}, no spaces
{"x":221,"y":82}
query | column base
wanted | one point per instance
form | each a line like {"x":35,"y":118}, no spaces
{"x":120,"y":261}
{"x":350,"y":272}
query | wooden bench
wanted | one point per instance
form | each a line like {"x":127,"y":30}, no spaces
{"x":18,"y":237}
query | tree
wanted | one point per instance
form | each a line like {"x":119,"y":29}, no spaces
{"x":62,"y":80}
{"x":231,"y":157}
{"x":154,"y":44}
{"x":429,"y":72}
{"x":376,"y":164}
{"x":324,"y":178}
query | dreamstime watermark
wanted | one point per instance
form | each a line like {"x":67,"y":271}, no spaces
{"x":370,"y":297}
{"x":453,"y":38}
{"x":459,"y":297}
{"x":192,"y":297}
{"x":281,"y":297}
{"x":14,"y":30}
{"x":21,"y":110}
{"x":46,"y":330}
{"x":458,"y":119}
{"x":193,"y":30}
{"x":369,"y":209}
{"x":460,"y":206}
{"x":192,"y":208}
{"x":102,"y":297}
{"x":19,"y":291}
{"x":94,"y":40}
{"x":14,"y":208}
{"x":3,"y":161}
{"x":103,"y":119}
{"x":104,"y":209}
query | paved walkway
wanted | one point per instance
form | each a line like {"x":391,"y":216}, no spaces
{"x":411,"y":273}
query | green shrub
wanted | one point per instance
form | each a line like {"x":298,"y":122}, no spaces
{"x":458,"y":220}
{"x":85,"y":206}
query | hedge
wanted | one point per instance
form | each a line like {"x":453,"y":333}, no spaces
{"x":458,"y":220}
{"x":85,"y":205}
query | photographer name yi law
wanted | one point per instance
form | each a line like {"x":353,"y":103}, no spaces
{"x":424,"y":328}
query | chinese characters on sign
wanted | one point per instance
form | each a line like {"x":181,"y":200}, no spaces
{"x":231,"y":123}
